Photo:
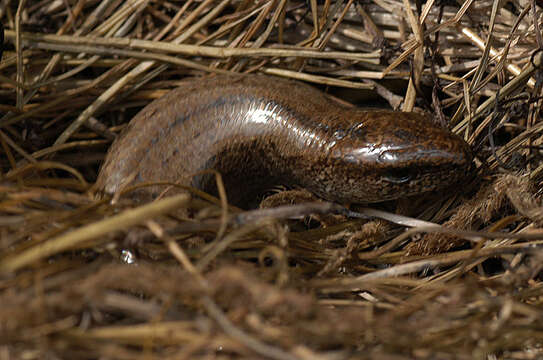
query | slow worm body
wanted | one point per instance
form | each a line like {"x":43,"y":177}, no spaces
{"x":261,"y":131}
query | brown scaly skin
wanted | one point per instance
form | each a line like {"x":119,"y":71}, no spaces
{"x":260,"y":131}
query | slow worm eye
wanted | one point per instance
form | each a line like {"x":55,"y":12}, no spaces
{"x":398,"y":176}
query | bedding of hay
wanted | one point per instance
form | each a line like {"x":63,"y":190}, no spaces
{"x":88,"y":278}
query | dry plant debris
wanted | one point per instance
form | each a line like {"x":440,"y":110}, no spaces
{"x":87,"y":278}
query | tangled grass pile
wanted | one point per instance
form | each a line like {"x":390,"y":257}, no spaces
{"x":187,"y":277}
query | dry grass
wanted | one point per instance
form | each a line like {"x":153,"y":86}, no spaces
{"x":87,"y":278}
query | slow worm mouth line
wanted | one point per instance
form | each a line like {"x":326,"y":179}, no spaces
{"x":256,"y":126}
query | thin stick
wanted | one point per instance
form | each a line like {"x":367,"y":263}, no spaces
{"x":92,"y":231}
